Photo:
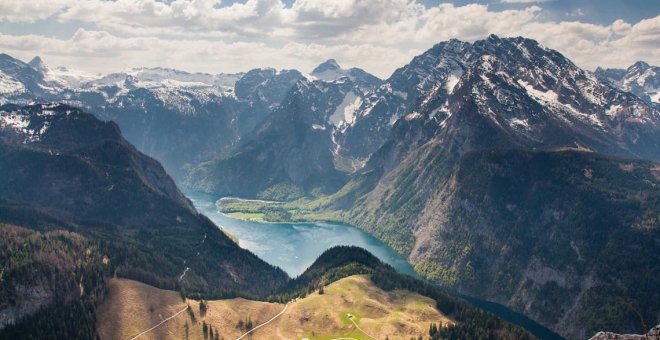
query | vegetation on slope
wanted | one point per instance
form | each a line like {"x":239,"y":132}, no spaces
{"x":381,"y":301}
{"x":342,"y":261}
{"x":50,"y":284}
{"x":132,"y":307}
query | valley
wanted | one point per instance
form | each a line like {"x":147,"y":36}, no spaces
{"x":491,"y":186}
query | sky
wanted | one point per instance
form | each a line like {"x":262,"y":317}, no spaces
{"x":100,"y":36}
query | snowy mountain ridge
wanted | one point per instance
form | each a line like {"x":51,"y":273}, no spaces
{"x":640,"y":78}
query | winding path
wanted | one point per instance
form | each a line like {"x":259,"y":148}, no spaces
{"x":265,"y":323}
{"x":360,"y":329}
{"x":162,"y":322}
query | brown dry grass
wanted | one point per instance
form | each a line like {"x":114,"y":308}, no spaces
{"x":132,"y":307}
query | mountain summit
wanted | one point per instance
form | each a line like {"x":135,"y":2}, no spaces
{"x":330,"y":70}
{"x":37,"y":64}
{"x":328,"y":65}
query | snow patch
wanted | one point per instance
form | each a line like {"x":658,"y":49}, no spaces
{"x":9,"y":85}
{"x":655,"y":97}
{"x":14,"y":121}
{"x":452,"y":80}
{"x":613,"y":110}
{"x":345,"y":112}
{"x":393,"y":119}
{"x":551,"y":99}
{"x":548,"y":97}
{"x":20,"y":124}
{"x":318,"y":127}
{"x":519,"y":123}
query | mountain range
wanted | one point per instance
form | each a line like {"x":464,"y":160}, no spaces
{"x":82,"y":211}
{"x":499,"y":168}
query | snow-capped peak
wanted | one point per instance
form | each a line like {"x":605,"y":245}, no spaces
{"x":641,"y":79}
{"x":329,"y":71}
{"x":328,"y":65}
{"x":37,"y":64}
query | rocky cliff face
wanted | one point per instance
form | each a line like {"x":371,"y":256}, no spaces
{"x":500,"y":189}
{"x":652,"y":334}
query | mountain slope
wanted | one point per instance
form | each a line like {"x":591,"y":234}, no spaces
{"x":289,"y":155}
{"x":383,"y":303}
{"x":63,"y":169}
{"x":434,"y":72}
{"x":494,"y":223}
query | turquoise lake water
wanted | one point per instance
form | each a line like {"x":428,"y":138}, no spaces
{"x":294,"y":246}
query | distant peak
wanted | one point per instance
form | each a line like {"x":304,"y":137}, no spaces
{"x":493,"y":37}
{"x":328,"y":65}
{"x":36,"y":62}
{"x":640,"y":65}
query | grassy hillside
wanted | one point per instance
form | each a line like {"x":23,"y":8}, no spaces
{"x":132,"y":307}
{"x":343,"y":280}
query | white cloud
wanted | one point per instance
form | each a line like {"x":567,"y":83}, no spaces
{"x":87,"y":50}
{"x":29,"y":11}
{"x":379,"y":35}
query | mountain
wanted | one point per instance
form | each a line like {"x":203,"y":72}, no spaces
{"x":641,"y":79}
{"x":435,"y":71}
{"x":290,"y":154}
{"x":523,"y":182}
{"x":482,"y":191}
{"x":347,"y":126}
{"x":557,"y":104}
{"x":19,"y":80}
{"x":180,"y":118}
{"x":345,"y":261}
{"x":66,"y":172}
{"x":331,"y":71}
{"x":268,"y":86}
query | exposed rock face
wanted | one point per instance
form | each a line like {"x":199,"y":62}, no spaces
{"x":653,"y":334}
{"x":29,"y":299}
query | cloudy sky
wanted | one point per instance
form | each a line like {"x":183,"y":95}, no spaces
{"x":215,"y":36}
